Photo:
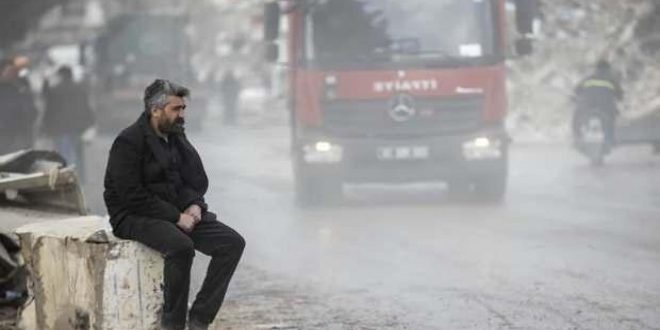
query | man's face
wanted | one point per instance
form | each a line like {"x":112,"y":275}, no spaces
{"x":170,"y":118}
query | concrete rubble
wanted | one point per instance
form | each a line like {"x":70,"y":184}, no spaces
{"x":85,"y":278}
{"x":40,"y":179}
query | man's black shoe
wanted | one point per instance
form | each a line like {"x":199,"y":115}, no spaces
{"x":197,"y":325}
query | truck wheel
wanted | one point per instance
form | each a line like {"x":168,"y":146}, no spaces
{"x":315,"y":191}
{"x":491,"y":188}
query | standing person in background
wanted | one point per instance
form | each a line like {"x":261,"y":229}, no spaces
{"x":230,"y":88}
{"x":18,"y":110}
{"x":68,"y":114}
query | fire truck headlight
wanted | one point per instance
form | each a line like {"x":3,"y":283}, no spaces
{"x":482,"y":148}
{"x":323,"y":152}
{"x":323,"y":146}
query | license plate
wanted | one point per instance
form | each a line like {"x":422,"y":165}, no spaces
{"x":403,"y":153}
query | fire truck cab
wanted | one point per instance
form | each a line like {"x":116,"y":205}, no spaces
{"x":397,"y":91}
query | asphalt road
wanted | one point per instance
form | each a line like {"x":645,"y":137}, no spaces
{"x":572,"y":247}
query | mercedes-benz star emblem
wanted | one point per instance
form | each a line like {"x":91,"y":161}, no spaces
{"x":402,"y":108}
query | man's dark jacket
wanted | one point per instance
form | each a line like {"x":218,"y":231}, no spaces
{"x":136,"y":178}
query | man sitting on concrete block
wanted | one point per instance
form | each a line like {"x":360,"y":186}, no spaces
{"x":154,"y":191}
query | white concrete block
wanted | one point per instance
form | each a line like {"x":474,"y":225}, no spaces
{"x":85,"y":278}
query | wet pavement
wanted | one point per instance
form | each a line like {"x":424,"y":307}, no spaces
{"x":572,"y":247}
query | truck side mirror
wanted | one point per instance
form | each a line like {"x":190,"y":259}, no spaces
{"x":272,"y":14}
{"x":526,"y":12}
{"x":524,"y":47}
{"x":272,"y":52}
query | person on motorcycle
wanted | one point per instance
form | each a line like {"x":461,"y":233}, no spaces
{"x":599,"y":92}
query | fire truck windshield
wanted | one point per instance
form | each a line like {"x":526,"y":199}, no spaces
{"x":382,"y":32}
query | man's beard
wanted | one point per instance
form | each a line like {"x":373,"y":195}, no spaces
{"x":172,"y":127}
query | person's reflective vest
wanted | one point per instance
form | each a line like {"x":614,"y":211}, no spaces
{"x":602,"y":83}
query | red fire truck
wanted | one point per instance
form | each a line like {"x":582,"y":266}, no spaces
{"x":397,"y":91}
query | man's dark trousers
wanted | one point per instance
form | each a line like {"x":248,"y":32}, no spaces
{"x":211,"y":237}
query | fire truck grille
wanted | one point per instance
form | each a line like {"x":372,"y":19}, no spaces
{"x":428,"y":116}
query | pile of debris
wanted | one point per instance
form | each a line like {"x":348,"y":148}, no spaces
{"x":13,"y":281}
{"x":39,"y":179}
{"x":34,"y":186}
{"x":573,"y":36}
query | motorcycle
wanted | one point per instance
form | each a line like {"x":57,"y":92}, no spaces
{"x":590,"y":137}
{"x":591,"y":140}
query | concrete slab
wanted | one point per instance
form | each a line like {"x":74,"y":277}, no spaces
{"x":84,"y":277}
